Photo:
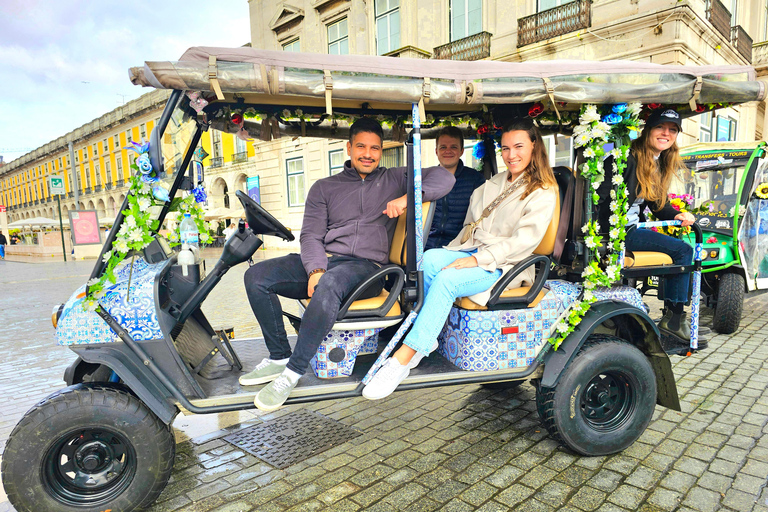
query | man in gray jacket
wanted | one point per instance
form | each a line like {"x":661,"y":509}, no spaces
{"x":349,"y":219}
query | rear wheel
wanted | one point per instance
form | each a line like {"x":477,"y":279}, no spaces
{"x":730,"y":301}
{"x":87,"y":448}
{"x":604,"y":399}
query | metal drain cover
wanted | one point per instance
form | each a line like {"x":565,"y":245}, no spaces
{"x":292,"y":438}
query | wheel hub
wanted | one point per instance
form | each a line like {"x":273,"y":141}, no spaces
{"x":607,"y":401}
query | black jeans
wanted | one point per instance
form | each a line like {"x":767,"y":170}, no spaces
{"x":286,"y":276}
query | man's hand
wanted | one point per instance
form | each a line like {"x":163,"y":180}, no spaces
{"x":468,"y":262}
{"x":313,"y":280}
{"x":396,"y":207}
{"x":687,"y":218}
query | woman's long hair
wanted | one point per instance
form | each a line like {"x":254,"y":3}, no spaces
{"x":653,"y":180}
{"x":539,"y":173}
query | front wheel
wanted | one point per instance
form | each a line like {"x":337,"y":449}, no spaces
{"x":87,"y":448}
{"x":604,"y":399}
{"x":730,"y":300}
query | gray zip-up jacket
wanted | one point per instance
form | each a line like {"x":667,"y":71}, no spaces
{"x":343,"y":213}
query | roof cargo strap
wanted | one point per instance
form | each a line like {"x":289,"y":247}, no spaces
{"x":551,"y":95}
{"x":696,"y":92}
{"x":213,"y":77}
{"x":328,"y":81}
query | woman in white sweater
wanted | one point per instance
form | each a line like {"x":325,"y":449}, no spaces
{"x":518,"y":206}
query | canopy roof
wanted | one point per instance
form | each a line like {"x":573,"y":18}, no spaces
{"x":304,"y":79}
{"x":34,"y":221}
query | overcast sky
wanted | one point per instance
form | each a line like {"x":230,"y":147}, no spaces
{"x":65,"y":63}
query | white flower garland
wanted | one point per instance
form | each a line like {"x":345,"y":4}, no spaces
{"x":593,"y":132}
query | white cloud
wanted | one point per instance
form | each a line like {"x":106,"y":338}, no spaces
{"x":66,"y":63}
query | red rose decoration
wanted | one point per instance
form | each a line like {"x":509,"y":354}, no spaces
{"x":700,"y":108}
{"x":483,"y":129}
{"x":654,"y":106}
{"x":237,"y":119}
{"x":711,"y":240}
{"x":536,"y":109}
{"x":561,"y":104}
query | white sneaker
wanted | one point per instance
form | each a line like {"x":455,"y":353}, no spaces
{"x":389,"y":376}
{"x":266,"y":371}
{"x":418,"y":356}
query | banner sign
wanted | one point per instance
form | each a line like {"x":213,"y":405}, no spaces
{"x":85,"y":227}
{"x":254,"y":191}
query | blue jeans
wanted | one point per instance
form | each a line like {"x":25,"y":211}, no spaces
{"x":441,"y":288}
{"x":675,"y":285}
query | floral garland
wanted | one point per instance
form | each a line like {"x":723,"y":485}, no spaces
{"x":137,"y":227}
{"x":594,"y":131}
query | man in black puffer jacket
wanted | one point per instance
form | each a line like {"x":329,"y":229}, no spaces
{"x":451,"y":210}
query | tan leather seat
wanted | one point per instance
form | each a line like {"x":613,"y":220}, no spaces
{"x":647,"y":259}
{"x":397,"y":255}
{"x":545,"y":248}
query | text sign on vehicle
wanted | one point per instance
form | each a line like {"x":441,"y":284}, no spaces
{"x":56,"y":184}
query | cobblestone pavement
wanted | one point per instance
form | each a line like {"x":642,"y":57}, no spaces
{"x":457,"y":448}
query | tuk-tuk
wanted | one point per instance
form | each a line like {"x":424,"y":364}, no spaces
{"x":146,"y":351}
{"x":721,"y":190}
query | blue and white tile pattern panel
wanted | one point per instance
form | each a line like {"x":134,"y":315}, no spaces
{"x":133,"y":308}
{"x":339,"y":350}
{"x":474,"y":340}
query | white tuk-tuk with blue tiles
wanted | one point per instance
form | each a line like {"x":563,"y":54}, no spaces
{"x":147,"y":352}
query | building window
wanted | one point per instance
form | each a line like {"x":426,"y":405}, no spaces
{"x":87,"y":178}
{"x":705,"y":127}
{"x":392,"y":157}
{"x":143,"y":131}
{"x":726,"y":128}
{"x":387,"y":26}
{"x":119,"y":164}
{"x":95,"y":150}
{"x":295,"y":171}
{"x":544,"y":5}
{"x":128,"y":137}
{"x":466,"y":18}
{"x":108,"y":171}
{"x":293,"y":46}
{"x":60,"y":164}
{"x":97,"y":172}
{"x":336,"y":161}
{"x":338,"y":38}
{"x":216,"y":144}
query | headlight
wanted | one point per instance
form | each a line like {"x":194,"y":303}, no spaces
{"x":56,"y":314}
{"x":714,"y":254}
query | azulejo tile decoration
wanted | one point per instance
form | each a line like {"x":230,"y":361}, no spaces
{"x":494,"y":340}
{"x":339,"y":350}
{"x":131,"y":300}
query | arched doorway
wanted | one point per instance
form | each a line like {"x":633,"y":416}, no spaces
{"x":101,"y":209}
{"x":220,"y":193}
{"x":111,"y":207}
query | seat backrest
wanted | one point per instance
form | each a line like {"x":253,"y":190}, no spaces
{"x":547,"y":244}
{"x":397,"y":249}
{"x":565,"y":181}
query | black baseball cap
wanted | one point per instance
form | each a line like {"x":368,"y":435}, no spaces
{"x":664,"y":115}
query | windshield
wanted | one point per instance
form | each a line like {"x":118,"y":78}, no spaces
{"x":754,"y":229}
{"x":711,"y":189}
{"x":177,"y":136}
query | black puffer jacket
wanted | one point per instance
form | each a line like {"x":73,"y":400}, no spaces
{"x":451,"y":210}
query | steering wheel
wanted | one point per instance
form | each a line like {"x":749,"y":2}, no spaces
{"x":261,"y":221}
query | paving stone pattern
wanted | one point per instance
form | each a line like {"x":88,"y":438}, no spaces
{"x":457,"y":448}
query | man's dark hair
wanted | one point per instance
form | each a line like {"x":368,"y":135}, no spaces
{"x":365,"y":124}
{"x":451,"y":131}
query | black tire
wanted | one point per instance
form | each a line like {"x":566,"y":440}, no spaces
{"x":730,"y":302}
{"x":604,"y":399}
{"x":510,"y":384}
{"x":87,"y":448}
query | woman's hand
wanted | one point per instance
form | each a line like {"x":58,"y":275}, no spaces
{"x":468,"y":262}
{"x":686,"y":218}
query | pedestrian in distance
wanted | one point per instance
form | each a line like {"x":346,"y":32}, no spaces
{"x":349,"y":220}
{"x":3,"y":243}
{"x":507,"y":219}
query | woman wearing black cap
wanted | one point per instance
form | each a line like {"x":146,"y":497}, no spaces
{"x":654,"y":160}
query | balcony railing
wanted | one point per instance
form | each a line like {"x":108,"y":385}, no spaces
{"x":108,"y":185}
{"x":97,"y":188}
{"x":554,"y":22}
{"x":240,"y":157}
{"x":743,"y":43}
{"x":720,"y":17}
{"x":474,"y":47}
{"x":217,"y":162}
{"x":87,"y":190}
{"x":760,"y":54}
{"x":70,"y":195}
{"x":119,"y":183}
